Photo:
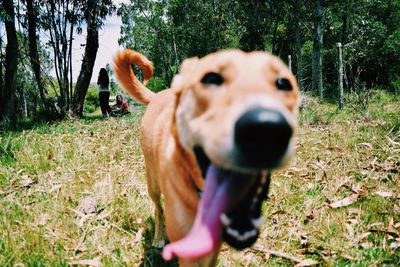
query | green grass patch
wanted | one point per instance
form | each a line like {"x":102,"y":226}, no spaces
{"x":75,"y":191}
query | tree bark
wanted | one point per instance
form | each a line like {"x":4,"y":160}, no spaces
{"x":85,"y":74}
{"x":59,"y":41}
{"x":340,"y":75}
{"x":35,"y":59}
{"x":7,"y":101}
{"x":297,"y":34}
{"x":317,"y":82}
{"x":1,"y":68}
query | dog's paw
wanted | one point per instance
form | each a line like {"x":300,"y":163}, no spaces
{"x":158,"y":243}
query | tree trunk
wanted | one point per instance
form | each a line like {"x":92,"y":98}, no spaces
{"x":85,"y":74}
{"x":317,"y":83}
{"x":1,"y":68}
{"x":35,"y":60}
{"x":340,"y":75}
{"x":297,"y":34}
{"x":7,"y":101}
{"x":59,"y":42}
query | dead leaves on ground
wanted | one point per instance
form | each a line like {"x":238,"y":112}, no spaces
{"x":345,"y":201}
{"x":301,"y":262}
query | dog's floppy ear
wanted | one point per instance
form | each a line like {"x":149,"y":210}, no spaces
{"x":187,"y":67}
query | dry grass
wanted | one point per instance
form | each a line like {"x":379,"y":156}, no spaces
{"x":74,"y":193}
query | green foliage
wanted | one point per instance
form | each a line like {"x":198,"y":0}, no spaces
{"x":91,"y":100}
{"x":8,"y":148}
{"x":156,"y":84}
{"x":395,"y":85}
{"x":169,"y":31}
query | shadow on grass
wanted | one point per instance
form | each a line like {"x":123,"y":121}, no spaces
{"x":92,"y":117}
{"x":152,"y":256}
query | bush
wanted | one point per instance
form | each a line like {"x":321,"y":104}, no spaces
{"x":395,"y":86}
{"x":91,"y":100}
{"x":156,"y":84}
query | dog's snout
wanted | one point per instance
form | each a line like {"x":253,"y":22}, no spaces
{"x":262,"y":137}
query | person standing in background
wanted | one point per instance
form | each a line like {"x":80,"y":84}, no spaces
{"x":104,"y":92}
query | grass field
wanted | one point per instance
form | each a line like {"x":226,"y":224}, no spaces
{"x":73,"y":193}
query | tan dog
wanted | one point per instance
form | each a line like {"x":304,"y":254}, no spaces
{"x":210,"y":143}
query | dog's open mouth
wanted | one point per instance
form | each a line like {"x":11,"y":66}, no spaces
{"x":230,"y":211}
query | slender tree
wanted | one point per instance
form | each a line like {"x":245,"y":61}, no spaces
{"x":95,"y":12}
{"x":7,"y":97}
{"x":89,"y":58}
{"x":298,"y":42}
{"x":59,"y":20}
{"x":35,"y":59}
{"x":317,"y":81}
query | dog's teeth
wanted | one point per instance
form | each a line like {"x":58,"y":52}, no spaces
{"x":257,"y":222}
{"x":234,"y":233}
{"x":225,"y":219}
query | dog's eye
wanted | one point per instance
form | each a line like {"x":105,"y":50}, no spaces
{"x":212,"y":79}
{"x":283,"y":84}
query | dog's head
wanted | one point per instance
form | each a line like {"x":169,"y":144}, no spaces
{"x":237,"y":114}
{"x":239,"y":109}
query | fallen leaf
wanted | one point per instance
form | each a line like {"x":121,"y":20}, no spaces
{"x":359,"y":189}
{"x":139,"y":234}
{"x":353,"y":210}
{"x":396,"y":208}
{"x":43,"y":219}
{"x":367,"y":245}
{"x":350,"y":230}
{"x":352,"y":220}
{"x":388,"y":194}
{"x":392,"y":228}
{"x":26,"y":181}
{"x":307,"y":262}
{"x":54,"y":188}
{"x":88,"y":205}
{"x":395,"y":245}
{"x":345,"y":201}
{"x":320,"y":165}
{"x":96,"y":262}
{"x":104,"y":214}
{"x":361,"y":237}
{"x":365,"y":145}
{"x":392,"y":141}
{"x":343,"y":182}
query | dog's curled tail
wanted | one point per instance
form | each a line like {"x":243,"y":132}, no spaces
{"x":127,"y":79}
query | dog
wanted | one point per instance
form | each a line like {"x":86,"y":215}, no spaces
{"x":210,"y":143}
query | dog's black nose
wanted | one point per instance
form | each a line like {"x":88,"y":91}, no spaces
{"x":261,"y":138}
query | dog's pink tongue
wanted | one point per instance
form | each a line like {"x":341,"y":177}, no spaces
{"x":205,"y":235}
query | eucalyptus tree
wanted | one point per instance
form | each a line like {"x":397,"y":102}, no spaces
{"x":318,"y":36}
{"x":7,"y":95}
{"x":60,"y":20}
{"x":32,"y":14}
{"x":94,"y":15}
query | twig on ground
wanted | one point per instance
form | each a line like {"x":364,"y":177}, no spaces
{"x":300,"y":261}
{"x":258,"y":248}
